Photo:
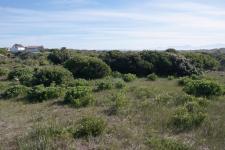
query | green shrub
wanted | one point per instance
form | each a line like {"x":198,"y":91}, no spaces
{"x":79,"y":96}
{"x":203,"y":88}
{"x":90,"y":126}
{"x":15,"y":91}
{"x":182,"y":99}
{"x":78,"y":82}
{"x":3,"y":71}
{"x":129,"y":77}
{"x":152,"y":77}
{"x":40,"y":93}
{"x":117,"y":74}
{"x":119,"y":84}
{"x":187,"y":117}
{"x":24,"y":75}
{"x":119,"y":102}
{"x":104,"y":85}
{"x":49,"y":75}
{"x":170,"y":77}
{"x":87,"y":67}
{"x":165,"y":144}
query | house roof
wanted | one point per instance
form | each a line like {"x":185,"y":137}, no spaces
{"x":34,"y":47}
{"x":18,"y":45}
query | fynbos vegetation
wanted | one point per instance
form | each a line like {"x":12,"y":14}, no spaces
{"x":68,"y":99}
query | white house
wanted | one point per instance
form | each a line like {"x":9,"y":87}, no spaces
{"x":17,"y":48}
{"x":34,"y":48}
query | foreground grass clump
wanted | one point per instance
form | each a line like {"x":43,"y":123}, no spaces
{"x":87,"y":67}
{"x":152,"y":77}
{"x":24,"y":75}
{"x":203,"y":88}
{"x":41,"y":137}
{"x":79,"y":96}
{"x":40,"y":93}
{"x":15,"y":91}
{"x":129,"y":77}
{"x":90,"y":126}
{"x":166,"y":144}
{"x":49,"y":75}
{"x":157,"y":143}
{"x":188,"y":117}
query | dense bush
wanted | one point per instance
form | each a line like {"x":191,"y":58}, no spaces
{"x":40,"y":93}
{"x":3,"y":51}
{"x":49,"y":75}
{"x":157,"y":143}
{"x":3,"y":71}
{"x":152,"y":77}
{"x":104,"y":85}
{"x":59,"y":56}
{"x":90,"y":126}
{"x":203,"y":88}
{"x":15,"y":91}
{"x":129,"y":77}
{"x":24,"y":75}
{"x":187,"y":117}
{"x":127,"y":62}
{"x":203,"y":61}
{"x":87,"y":67}
{"x":79,"y":96}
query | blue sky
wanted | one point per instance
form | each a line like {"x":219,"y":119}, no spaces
{"x":113,"y":24}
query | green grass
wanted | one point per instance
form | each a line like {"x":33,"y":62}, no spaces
{"x":149,"y":107}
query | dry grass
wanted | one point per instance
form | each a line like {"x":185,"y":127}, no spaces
{"x":146,"y":115}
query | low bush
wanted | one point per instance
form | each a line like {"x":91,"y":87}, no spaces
{"x":119,"y":84}
{"x":40,"y":93}
{"x":183,"y":81}
{"x":203,"y":88}
{"x":49,"y":75}
{"x":119,"y":102}
{"x":182,"y":99}
{"x":3,"y":71}
{"x":79,"y":96}
{"x":165,"y":144}
{"x":90,"y":126}
{"x":152,"y":77}
{"x":24,"y":75}
{"x":104,"y":85}
{"x":117,"y":74}
{"x":129,"y":77}
{"x":78,"y":82}
{"x":188,"y":117}
{"x":87,"y":67}
{"x":15,"y":91}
